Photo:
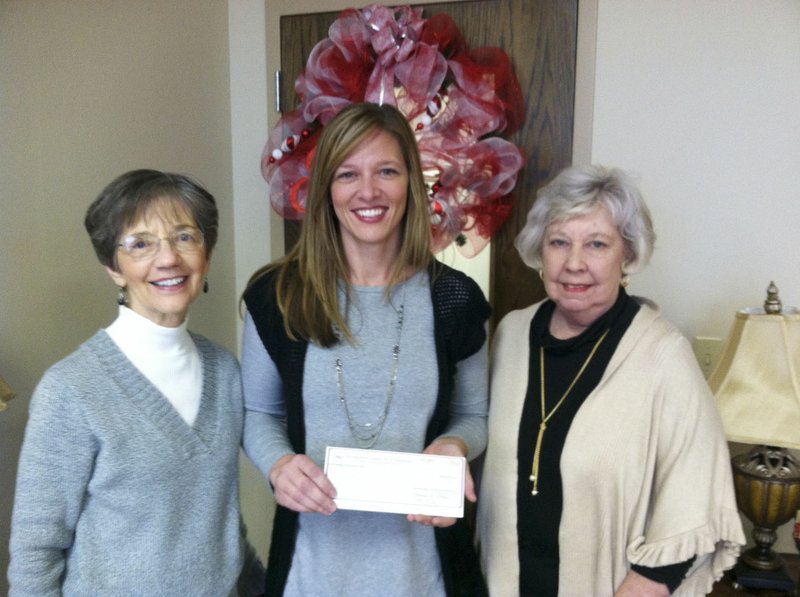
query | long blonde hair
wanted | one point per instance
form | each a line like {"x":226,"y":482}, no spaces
{"x":308,"y":276}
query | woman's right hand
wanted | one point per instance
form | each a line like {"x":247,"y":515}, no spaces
{"x":301,"y":485}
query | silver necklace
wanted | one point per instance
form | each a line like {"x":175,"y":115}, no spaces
{"x":367,"y":434}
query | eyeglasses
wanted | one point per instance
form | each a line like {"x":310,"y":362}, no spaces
{"x":144,"y":245}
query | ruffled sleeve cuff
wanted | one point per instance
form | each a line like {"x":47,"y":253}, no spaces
{"x":716,"y":547}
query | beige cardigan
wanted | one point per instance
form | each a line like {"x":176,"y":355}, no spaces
{"x":645,"y":466}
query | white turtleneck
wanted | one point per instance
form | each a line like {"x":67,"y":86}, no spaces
{"x":167,"y":357}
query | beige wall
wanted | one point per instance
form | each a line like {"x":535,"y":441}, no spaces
{"x":88,"y":90}
{"x":699,"y":98}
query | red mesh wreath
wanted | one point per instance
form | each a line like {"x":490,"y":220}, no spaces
{"x":458,"y":101}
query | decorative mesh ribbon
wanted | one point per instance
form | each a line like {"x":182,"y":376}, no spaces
{"x":459,"y":102}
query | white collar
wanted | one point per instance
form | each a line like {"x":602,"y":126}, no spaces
{"x":135,"y":334}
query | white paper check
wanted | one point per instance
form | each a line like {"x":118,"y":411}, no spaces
{"x":397,"y":482}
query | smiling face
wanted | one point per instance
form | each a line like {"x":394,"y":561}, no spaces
{"x":161,"y":287}
{"x":583,"y":258}
{"x":370,"y":194}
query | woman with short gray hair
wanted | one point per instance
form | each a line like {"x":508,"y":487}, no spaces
{"x":607,"y":470}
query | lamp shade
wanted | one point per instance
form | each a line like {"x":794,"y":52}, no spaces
{"x":756,"y":380}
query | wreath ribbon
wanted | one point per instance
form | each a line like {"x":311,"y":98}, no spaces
{"x":461,"y":103}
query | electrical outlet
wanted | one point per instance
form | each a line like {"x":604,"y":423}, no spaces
{"x":707,"y":351}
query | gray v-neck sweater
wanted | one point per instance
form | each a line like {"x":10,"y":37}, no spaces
{"x":116,"y":494}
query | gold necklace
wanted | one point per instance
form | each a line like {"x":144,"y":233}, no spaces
{"x":546,"y":416}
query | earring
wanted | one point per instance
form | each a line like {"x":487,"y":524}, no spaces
{"x":122,"y":297}
{"x":205,"y":285}
{"x":541,"y":274}
{"x":626,"y":279}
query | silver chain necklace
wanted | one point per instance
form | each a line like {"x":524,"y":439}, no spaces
{"x":367,"y":434}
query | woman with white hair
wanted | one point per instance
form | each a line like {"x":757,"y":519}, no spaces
{"x":607,"y":470}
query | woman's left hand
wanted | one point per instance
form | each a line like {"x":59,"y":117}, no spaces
{"x":447,"y":446}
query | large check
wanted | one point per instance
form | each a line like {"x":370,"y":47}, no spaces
{"x":397,"y":482}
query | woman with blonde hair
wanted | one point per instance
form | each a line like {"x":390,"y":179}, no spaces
{"x":359,"y":338}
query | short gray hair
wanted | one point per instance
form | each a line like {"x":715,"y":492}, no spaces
{"x":577,"y":191}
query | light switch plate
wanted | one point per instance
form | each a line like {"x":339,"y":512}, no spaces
{"x":707,"y":350}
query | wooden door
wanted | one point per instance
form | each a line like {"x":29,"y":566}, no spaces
{"x":540,"y":38}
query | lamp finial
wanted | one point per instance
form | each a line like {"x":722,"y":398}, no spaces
{"x":773,"y":304}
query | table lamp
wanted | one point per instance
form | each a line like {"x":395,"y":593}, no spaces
{"x":757,"y":389}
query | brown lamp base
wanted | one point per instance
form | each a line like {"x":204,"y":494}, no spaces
{"x":767,"y":484}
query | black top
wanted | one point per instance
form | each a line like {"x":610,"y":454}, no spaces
{"x":539,"y":516}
